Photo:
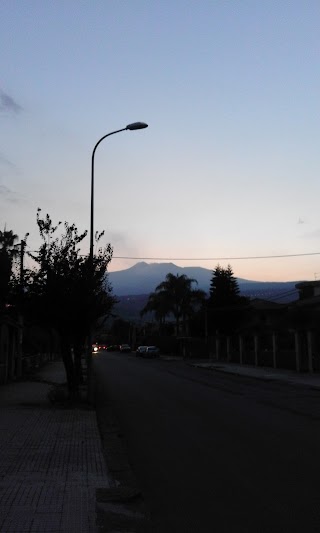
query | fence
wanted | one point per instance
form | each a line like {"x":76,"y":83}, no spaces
{"x":24,"y":348}
{"x":297,"y":350}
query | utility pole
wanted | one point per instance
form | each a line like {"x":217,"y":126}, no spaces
{"x":22,"y":250}
{"x":23,"y":243}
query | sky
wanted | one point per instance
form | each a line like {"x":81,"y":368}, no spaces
{"x":227,"y":171}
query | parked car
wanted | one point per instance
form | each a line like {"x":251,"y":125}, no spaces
{"x":141,"y":350}
{"x":125,"y":348}
{"x":152,"y":351}
{"x":113,"y":348}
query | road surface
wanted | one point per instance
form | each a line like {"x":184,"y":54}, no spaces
{"x":214,"y":452}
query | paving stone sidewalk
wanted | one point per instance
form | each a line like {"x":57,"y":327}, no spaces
{"x":51,"y":460}
{"x":264,"y":373}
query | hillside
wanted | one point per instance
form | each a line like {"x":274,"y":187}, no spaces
{"x":143,"y":278}
{"x":132,"y":286}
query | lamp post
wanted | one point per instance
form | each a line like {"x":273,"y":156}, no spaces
{"x":133,"y":126}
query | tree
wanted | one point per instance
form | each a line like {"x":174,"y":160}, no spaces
{"x":224,"y":289}
{"x":8,"y":251}
{"x":158,"y":305}
{"x":226,"y":305}
{"x":175,"y":295}
{"x":66,"y":293}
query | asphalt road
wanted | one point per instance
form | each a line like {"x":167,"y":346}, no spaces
{"x":214,"y":452}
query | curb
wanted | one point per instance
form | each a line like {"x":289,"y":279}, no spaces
{"x":120,"y":508}
{"x":282,"y":379}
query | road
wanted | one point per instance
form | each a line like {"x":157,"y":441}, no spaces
{"x":214,"y":452}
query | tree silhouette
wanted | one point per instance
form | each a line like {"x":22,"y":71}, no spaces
{"x":224,"y":289}
{"x":63,"y":291}
{"x":158,"y":305}
{"x":175,"y":295}
{"x":8,"y":251}
{"x":226,"y":306}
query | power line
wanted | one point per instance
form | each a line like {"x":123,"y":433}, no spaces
{"x":289,"y":293}
{"x":214,"y":258}
{"x":279,"y":296}
{"x":237,"y":258}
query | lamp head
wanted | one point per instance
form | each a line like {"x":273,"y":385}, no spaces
{"x":137,"y":126}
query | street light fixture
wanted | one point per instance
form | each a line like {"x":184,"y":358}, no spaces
{"x":131,"y":127}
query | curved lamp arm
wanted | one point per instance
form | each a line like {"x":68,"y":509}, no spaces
{"x":133,"y":126}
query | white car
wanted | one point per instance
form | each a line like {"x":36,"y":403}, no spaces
{"x":141,"y":350}
{"x":125,"y":348}
{"x":152,"y":351}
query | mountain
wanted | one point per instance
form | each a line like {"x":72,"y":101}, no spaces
{"x":143,"y":278}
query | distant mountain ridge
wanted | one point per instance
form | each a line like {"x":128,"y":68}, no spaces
{"x":143,"y":278}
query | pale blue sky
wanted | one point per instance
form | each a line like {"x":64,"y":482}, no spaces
{"x":229,"y":166}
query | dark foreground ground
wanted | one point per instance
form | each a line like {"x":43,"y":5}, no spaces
{"x":211,"y":451}
{"x":51,"y":458}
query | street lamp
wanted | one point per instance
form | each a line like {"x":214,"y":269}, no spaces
{"x":133,"y":126}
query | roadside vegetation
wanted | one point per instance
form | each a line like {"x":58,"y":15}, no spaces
{"x":63,"y":291}
{"x":176,"y":298}
{"x":8,"y":252}
{"x":226,"y":308}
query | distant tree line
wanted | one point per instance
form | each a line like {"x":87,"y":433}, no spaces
{"x":176,"y":297}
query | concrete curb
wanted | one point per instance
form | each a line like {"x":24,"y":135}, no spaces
{"x":263,"y":374}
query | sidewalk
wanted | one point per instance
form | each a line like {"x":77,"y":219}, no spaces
{"x":51,"y":457}
{"x":51,"y":460}
{"x":263,"y":373}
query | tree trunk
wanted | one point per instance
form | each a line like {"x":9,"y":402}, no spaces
{"x":78,"y":350}
{"x":69,"y":367}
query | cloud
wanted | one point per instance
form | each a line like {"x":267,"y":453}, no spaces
{"x":9,"y":195}
{"x":6,"y":162}
{"x":4,"y":190}
{"x":8,"y":104}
